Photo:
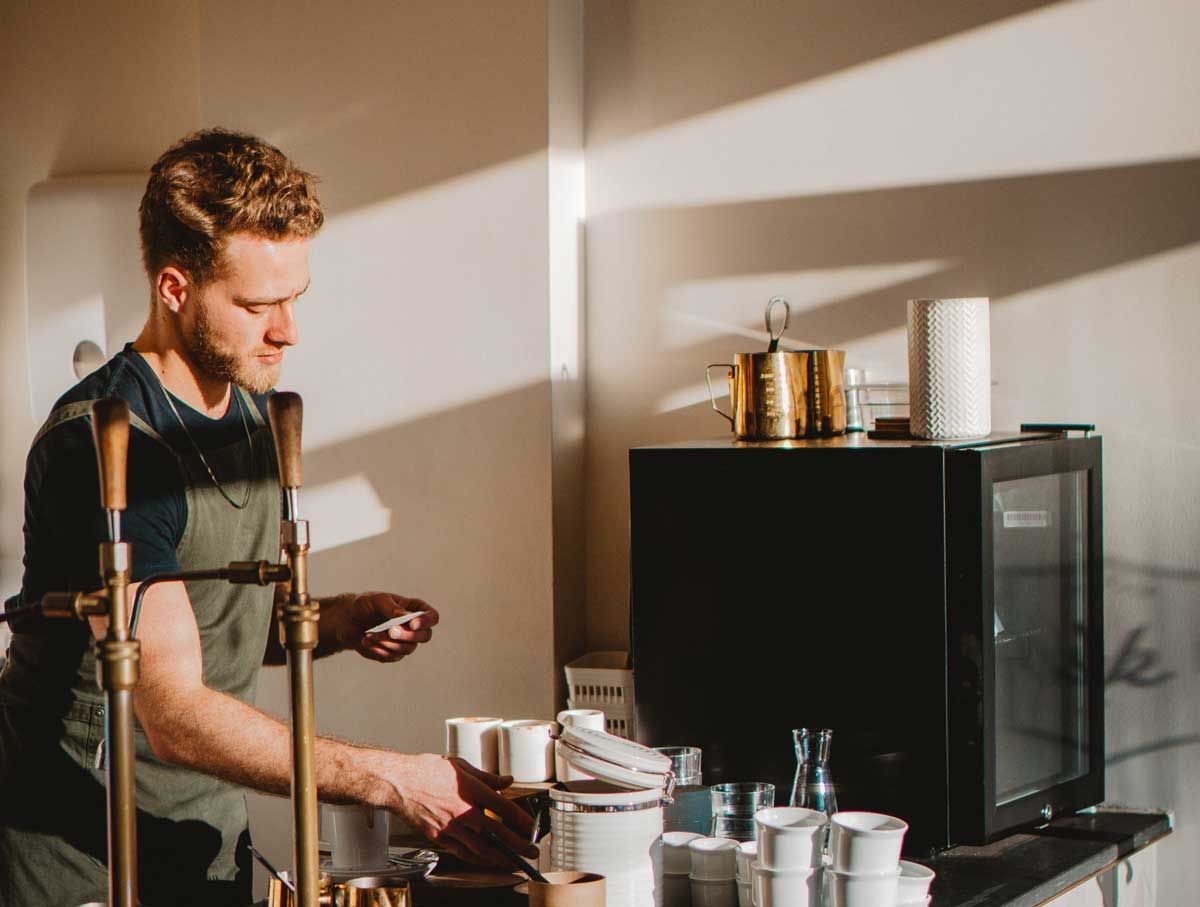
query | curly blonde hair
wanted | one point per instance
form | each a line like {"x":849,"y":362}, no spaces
{"x":214,"y":183}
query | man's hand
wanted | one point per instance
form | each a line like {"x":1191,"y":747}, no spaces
{"x":352,"y":615}
{"x":444,"y":798}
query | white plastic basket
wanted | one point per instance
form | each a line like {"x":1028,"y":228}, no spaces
{"x":603,"y":680}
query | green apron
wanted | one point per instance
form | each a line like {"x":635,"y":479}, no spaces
{"x":193,"y":840}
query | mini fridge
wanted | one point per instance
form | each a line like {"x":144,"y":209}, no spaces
{"x":938,"y":605}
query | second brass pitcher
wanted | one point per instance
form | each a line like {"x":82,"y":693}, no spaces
{"x":768,"y":394}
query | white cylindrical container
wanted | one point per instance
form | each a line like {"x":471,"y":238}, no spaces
{"x":714,"y":892}
{"x":589,"y":718}
{"x":915,"y":880}
{"x":598,"y":827}
{"x":790,"y":837}
{"x":786,"y":887}
{"x":747,"y":856}
{"x":677,"y":856}
{"x":745,"y":893}
{"x":677,"y":890}
{"x":527,"y":750}
{"x":847,"y":889}
{"x":866,"y":843}
{"x":949,"y":368}
{"x":477,"y":740}
{"x":714,"y":859}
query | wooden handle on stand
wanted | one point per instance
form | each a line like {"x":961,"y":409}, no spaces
{"x":110,"y":429}
{"x":287,"y":414}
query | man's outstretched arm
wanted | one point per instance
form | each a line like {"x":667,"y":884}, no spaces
{"x":189,"y":724}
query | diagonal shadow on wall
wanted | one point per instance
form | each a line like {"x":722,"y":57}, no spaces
{"x":654,"y":63}
{"x":1000,"y":237}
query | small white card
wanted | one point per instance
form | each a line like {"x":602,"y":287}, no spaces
{"x":396,"y":622}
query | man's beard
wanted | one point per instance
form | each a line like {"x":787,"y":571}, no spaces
{"x":216,"y":360}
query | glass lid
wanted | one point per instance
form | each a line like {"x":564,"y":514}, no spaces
{"x":616,"y":760}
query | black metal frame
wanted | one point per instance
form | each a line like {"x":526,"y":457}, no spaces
{"x":971,"y":656}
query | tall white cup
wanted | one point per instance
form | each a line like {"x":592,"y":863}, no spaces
{"x":589,"y":718}
{"x":477,"y":740}
{"x":527,"y":750}
{"x":360,"y":836}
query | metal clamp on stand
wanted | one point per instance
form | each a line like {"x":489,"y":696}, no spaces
{"x":298,"y":617}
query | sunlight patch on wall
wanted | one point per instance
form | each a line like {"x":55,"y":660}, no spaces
{"x":424,"y":303}
{"x":703,"y":309}
{"x":1080,"y":77}
{"x":731,"y":309}
{"x":344,"y":511}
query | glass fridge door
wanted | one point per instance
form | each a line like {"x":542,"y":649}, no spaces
{"x":1040,"y":570}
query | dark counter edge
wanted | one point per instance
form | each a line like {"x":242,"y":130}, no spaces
{"x":1023,"y":870}
{"x":1029,"y":869}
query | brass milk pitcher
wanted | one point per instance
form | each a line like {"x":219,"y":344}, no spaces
{"x":768,"y":395}
{"x":826,"y":392}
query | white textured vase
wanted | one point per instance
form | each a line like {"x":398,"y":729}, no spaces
{"x":949,"y":368}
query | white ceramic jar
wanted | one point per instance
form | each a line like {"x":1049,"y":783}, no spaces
{"x":617,"y":833}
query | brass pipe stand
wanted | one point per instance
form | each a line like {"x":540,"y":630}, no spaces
{"x":298,"y":617}
{"x":117,"y":668}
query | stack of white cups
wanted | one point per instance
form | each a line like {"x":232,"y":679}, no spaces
{"x":913,"y":888}
{"x":790,"y":842}
{"x":864,"y":851}
{"x":677,"y":868}
{"x":714,"y":872}
{"x":747,"y":856}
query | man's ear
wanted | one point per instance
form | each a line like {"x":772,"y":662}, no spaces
{"x":172,"y":288}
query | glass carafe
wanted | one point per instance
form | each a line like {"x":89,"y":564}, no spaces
{"x":813,"y":787}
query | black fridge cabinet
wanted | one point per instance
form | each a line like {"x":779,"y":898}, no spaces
{"x":938,"y":605}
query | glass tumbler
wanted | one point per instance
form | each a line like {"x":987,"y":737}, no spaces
{"x":692,"y":809}
{"x":734,"y":806}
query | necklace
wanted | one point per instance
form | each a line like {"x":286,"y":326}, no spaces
{"x":196,"y":447}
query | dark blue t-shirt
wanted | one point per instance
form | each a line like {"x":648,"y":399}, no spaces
{"x":64,"y":523}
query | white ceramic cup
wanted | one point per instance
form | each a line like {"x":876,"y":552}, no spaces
{"x":863,"y":842}
{"x":527,"y":750}
{"x":790,"y":837}
{"x":747,"y":855}
{"x":714,"y":892}
{"x":786,"y":887}
{"x":360,"y":836}
{"x":589,"y":718}
{"x":714,"y":859}
{"x":849,"y":889}
{"x":915,"y":880}
{"x":477,"y":740}
{"x":745,"y":893}
{"x":676,"y":857}
{"x":677,"y":890}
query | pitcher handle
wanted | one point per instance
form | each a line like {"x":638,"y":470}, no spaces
{"x":711,"y":395}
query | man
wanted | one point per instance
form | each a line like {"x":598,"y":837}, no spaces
{"x":225,"y":226}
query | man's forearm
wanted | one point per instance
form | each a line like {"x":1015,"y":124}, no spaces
{"x":222,"y":736}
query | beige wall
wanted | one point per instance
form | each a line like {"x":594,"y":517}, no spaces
{"x":854,"y":155}
{"x":426,"y":337}
{"x":849,"y":156}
